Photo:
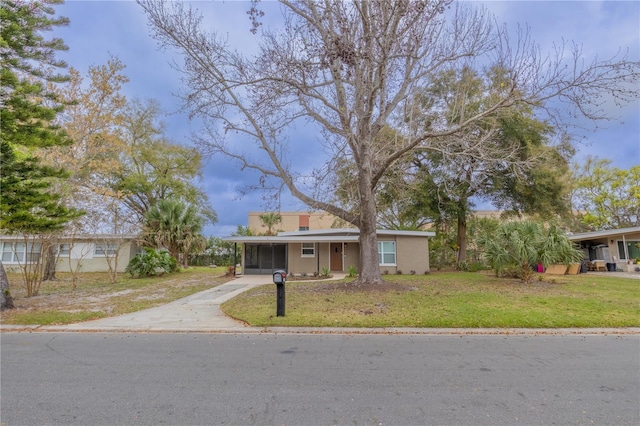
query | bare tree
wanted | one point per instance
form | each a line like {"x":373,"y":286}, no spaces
{"x":350,"y":68}
{"x":29,"y":252}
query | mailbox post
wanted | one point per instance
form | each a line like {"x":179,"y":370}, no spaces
{"x":279,"y":278}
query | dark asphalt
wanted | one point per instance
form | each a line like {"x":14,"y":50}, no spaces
{"x":243,"y":379}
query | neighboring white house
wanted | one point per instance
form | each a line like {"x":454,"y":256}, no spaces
{"x":92,"y":253}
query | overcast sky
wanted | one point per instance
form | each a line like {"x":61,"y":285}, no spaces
{"x":99,"y":29}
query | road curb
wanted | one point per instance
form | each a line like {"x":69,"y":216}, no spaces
{"x":631,"y":331}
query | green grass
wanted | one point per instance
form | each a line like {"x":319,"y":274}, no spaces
{"x":55,"y":317}
{"x":449,"y":300}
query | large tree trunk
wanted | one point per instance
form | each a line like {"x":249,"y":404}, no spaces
{"x":462,"y":237}
{"x":50,"y":264}
{"x":369,"y":265}
{"x":6,"y":301}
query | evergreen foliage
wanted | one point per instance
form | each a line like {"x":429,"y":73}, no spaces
{"x":152,"y":262}
{"x":27,"y":121}
{"x":175,"y":226}
{"x":522,"y":245}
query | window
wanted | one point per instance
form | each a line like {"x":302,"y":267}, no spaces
{"x":633,"y":248}
{"x":7,"y":253}
{"x":303,"y":228}
{"x":387,"y":252}
{"x":33,"y":252}
{"x":308,"y":249}
{"x":105,"y":249}
{"x":18,"y":252}
{"x":64,"y":250}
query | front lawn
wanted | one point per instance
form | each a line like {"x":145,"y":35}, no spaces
{"x":96,"y":297}
{"x":448,"y":299}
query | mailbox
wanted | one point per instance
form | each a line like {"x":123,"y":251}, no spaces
{"x":279,"y":278}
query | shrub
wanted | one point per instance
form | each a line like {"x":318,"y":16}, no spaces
{"x":352,"y":271}
{"x":151,"y":262}
{"x":325,"y":272}
{"x":518,"y":245}
{"x":230,"y":271}
{"x":462,"y":266}
{"x":476,"y":266}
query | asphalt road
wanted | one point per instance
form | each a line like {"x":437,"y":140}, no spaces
{"x":245,"y":379}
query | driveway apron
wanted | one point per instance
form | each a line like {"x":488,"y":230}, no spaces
{"x":198,"y":312}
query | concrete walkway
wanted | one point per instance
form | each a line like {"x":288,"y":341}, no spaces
{"x":196,"y":313}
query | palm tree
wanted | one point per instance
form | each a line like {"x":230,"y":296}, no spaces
{"x":176,"y":226}
{"x":270,"y":220}
{"x":527,"y":243}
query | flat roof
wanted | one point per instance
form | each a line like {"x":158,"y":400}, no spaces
{"x":606,"y":233}
{"x":320,"y":236}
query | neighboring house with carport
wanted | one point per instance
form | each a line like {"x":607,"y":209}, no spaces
{"x":82,"y":253}
{"x":616,"y":248}
{"x":310,"y":251}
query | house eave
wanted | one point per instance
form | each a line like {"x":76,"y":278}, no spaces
{"x":321,"y":236}
{"x":602,"y":234}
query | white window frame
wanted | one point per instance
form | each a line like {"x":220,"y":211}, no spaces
{"x":383,"y":249}
{"x":310,"y":250}
{"x":8,"y":253}
{"x":64,"y":249}
{"x":19,"y":251}
{"x":111,"y":249}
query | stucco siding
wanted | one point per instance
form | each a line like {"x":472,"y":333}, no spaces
{"x":412,"y":254}
{"x":298,"y":264}
{"x":352,"y":256}
{"x":324,"y":256}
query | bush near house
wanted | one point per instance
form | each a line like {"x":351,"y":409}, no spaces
{"x":152,"y":262}
{"x":515,"y":247}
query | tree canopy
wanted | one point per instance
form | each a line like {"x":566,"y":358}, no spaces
{"x":28,"y":110}
{"x":352,"y":69}
{"x":606,"y":197}
{"x":121,"y":160}
{"x":175,"y":226}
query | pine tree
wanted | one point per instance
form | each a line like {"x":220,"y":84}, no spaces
{"x":27,"y":121}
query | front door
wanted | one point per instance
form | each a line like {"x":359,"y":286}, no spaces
{"x":336,"y":256}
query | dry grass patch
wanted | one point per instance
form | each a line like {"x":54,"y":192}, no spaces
{"x":95,"y":297}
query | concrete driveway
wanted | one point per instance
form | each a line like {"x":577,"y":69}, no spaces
{"x":198,"y":312}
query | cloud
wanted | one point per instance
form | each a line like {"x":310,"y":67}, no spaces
{"x":98,"y":29}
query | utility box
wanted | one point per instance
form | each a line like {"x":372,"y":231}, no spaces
{"x":279,"y":279}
